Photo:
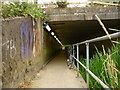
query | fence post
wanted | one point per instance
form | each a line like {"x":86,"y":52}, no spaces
{"x":87,"y":63}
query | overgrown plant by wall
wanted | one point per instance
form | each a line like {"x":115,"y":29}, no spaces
{"x":22,"y":9}
{"x":62,"y":3}
{"x":105,"y":65}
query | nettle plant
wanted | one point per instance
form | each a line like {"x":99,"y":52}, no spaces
{"x":22,"y":9}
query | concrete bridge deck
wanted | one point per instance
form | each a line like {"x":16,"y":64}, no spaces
{"x":83,"y":13}
{"x":57,"y":75}
{"x":77,"y":24}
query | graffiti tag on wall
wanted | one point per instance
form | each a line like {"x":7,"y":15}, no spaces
{"x":10,"y":47}
{"x":36,"y":49}
{"x":26,"y":36}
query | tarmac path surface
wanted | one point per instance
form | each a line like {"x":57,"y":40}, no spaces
{"x":56,"y":74}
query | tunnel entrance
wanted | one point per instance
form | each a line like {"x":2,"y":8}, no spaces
{"x":71,"y":32}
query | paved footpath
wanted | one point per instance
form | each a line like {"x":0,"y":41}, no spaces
{"x":57,"y":75}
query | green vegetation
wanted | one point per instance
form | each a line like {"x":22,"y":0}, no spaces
{"x":22,"y":9}
{"x":62,"y":3}
{"x":105,"y":65}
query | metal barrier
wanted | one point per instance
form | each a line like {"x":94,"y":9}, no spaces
{"x":87,"y":42}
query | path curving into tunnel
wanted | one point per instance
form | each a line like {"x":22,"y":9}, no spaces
{"x":57,"y":75}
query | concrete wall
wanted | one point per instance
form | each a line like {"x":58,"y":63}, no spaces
{"x":82,"y":13}
{"x":0,"y":54}
{"x":51,"y":47}
{"x":22,"y":50}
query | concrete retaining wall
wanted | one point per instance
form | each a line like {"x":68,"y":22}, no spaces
{"x":22,"y":50}
{"x":0,"y":54}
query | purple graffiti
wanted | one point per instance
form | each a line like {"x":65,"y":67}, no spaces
{"x":26,"y":36}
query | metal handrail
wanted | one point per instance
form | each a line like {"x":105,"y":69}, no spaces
{"x":114,"y":35}
{"x":93,"y":75}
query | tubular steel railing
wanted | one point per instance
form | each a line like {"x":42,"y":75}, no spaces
{"x":87,"y":42}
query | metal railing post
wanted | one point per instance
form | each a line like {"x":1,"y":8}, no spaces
{"x":73,"y":55}
{"x":87,"y":63}
{"x":93,"y":75}
{"x":78,"y":57}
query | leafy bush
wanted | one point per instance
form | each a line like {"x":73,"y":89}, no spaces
{"x":22,"y":9}
{"x":62,"y":3}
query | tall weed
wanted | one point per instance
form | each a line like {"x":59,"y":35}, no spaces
{"x":105,"y":65}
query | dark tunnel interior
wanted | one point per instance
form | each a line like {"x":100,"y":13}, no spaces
{"x":71,"y":32}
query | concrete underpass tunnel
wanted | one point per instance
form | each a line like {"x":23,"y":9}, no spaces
{"x":27,"y":49}
{"x":71,"y":32}
{"x":67,"y":33}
